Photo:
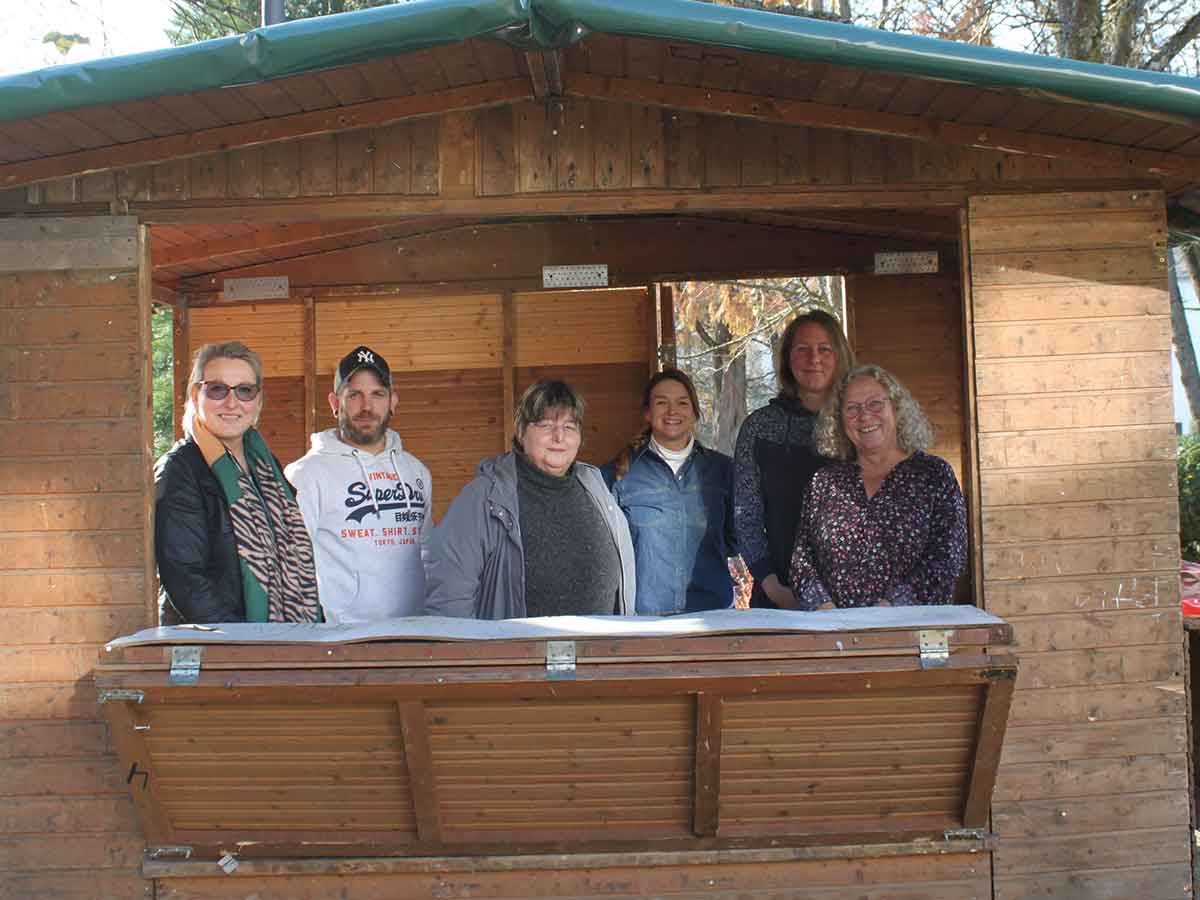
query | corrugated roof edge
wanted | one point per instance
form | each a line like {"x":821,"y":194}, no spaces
{"x":311,"y":44}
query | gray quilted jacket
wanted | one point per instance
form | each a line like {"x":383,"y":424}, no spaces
{"x":476,"y":564}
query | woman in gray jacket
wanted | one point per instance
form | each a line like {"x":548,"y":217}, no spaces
{"x":536,"y":533}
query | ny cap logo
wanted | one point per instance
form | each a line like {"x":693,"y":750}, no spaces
{"x":366,"y":356}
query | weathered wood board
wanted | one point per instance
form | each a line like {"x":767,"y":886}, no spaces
{"x":1081,"y":553}
{"x":74,"y":475}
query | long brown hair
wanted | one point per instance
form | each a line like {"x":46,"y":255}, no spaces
{"x":783,"y":365}
{"x":625,"y":458}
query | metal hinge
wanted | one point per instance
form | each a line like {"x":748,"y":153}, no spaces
{"x":965,"y":834}
{"x":560,"y":659}
{"x":171,"y":850}
{"x":935,"y":648}
{"x":121,"y":694}
{"x":185,"y":665}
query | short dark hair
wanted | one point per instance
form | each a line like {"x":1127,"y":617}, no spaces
{"x":783,"y":366}
{"x":542,"y":398}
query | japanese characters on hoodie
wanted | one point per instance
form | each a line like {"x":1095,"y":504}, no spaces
{"x":369,"y":519}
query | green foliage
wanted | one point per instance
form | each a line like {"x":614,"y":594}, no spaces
{"x":163,"y":371}
{"x":202,"y":20}
{"x":1189,"y":496}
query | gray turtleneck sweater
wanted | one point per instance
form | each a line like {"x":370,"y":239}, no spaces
{"x":571,"y":562}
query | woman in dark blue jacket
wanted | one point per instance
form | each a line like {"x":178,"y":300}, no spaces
{"x":678,"y":497}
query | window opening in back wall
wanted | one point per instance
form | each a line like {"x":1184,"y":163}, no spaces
{"x":725,"y":334}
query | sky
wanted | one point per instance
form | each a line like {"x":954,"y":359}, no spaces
{"x":113,"y":27}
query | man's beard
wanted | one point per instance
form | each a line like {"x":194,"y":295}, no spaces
{"x":357,"y":436}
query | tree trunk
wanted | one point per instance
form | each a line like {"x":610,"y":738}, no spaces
{"x":1125,"y":19}
{"x":1183,"y":269}
{"x":1079,"y":30}
{"x":731,"y":404}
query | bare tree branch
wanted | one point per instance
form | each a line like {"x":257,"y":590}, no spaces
{"x":1174,"y":45}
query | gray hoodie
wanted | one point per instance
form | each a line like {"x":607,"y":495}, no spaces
{"x":476,"y":561}
{"x":369,"y":519}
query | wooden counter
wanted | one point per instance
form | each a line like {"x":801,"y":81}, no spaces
{"x":437,"y":737}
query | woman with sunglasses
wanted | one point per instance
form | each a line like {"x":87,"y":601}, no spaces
{"x":229,"y":539}
{"x":885,"y":526}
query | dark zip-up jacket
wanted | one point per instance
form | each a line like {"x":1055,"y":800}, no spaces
{"x":198,"y":571}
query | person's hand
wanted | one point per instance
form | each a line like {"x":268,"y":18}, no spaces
{"x":777,"y":593}
{"x":827,"y":605}
{"x":884,"y":603}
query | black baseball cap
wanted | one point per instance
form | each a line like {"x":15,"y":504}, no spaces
{"x":361,"y":358}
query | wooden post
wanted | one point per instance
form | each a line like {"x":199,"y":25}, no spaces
{"x":970,"y":469}
{"x":508,"y":378}
{"x":146,"y":421}
{"x":653,"y":329}
{"x":993,"y":720}
{"x":707,"y":798}
{"x":418,"y":757}
{"x":311,"y":400}
{"x":666,"y":318}
{"x":124,"y":721}
{"x":182,"y":362}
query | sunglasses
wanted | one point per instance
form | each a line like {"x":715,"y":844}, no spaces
{"x":218,"y":391}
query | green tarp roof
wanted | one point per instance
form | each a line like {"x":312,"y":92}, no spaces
{"x":321,"y":43}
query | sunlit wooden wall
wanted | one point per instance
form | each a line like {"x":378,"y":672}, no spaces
{"x":459,"y":363}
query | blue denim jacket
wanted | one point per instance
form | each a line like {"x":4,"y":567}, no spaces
{"x":682,"y":527}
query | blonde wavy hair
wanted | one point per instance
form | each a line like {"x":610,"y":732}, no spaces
{"x":913,"y":429}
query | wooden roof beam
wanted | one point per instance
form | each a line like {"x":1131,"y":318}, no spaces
{"x":781,"y":111}
{"x":265,"y":239}
{"x":914,"y":225}
{"x":265,"y":131}
{"x":545,"y":72}
{"x":677,"y":201}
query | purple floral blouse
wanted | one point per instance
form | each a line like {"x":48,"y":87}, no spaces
{"x":905,"y":545}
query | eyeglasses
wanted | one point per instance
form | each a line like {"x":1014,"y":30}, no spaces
{"x":874,"y":407}
{"x":549,"y":426}
{"x":218,"y":390}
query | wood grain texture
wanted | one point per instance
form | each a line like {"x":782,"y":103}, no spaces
{"x":275,"y":331}
{"x":958,"y":876}
{"x":584,"y":326}
{"x":73,"y":486}
{"x":412,"y":334}
{"x":1080,"y":533}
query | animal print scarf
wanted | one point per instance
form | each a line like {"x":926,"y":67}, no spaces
{"x":279,"y":579}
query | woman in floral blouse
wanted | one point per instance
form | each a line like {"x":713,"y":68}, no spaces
{"x":887,"y":525}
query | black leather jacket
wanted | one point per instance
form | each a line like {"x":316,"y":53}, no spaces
{"x":198,"y":572}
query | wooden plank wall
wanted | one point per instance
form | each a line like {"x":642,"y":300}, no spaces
{"x":275,"y":331}
{"x":450,"y":358}
{"x":912,"y":326}
{"x":956,"y":876}
{"x":1080,"y":542}
{"x":74,"y":473}
{"x":558,"y":145}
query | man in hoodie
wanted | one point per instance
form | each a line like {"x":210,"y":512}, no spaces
{"x":365,"y":501}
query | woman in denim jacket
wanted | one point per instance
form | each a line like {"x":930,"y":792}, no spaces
{"x":678,"y":497}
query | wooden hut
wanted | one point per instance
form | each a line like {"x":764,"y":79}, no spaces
{"x":410,"y":171}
